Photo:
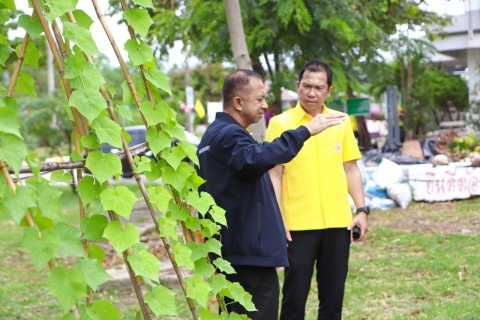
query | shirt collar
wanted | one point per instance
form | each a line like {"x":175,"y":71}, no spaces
{"x":298,"y":113}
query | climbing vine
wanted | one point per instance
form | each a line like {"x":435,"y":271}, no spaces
{"x":33,"y":202}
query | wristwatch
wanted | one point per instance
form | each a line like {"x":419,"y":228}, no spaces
{"x":364,"y":209}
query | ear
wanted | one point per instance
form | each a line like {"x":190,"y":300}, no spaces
{"x":237,"y":103}
{"x":330,"y":89}
{"x":298,"y":85}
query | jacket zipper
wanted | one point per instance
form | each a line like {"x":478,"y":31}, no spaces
{"x":259,"y":222}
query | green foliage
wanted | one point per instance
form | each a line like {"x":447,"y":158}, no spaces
{"x":465,"y":144}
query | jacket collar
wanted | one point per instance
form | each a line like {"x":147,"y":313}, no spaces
{"x":223,"y":116}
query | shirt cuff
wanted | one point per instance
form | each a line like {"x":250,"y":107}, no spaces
{"x":303,"y":133}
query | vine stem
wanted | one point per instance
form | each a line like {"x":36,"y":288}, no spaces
{"x":165,"y":241}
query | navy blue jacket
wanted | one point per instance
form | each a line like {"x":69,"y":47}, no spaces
{"x":235,"y":168}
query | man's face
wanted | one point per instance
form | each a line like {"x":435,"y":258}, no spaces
{"x":253,"y":102}
{"x":313,"y":89}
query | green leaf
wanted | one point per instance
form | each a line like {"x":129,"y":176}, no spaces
{"x":74,"y":156}
{"x":125,"y":112}
{"x":48,"y":200}
{"x":82,"y":19}
{"x":9,"y":4}
{"x":203,"y":268}
{"x":18,"y":204}
{"x":175,"y":130}
{"x":145,"y":264}
{"x":159,"y":197}
{"x":183,"y":255}
{"x":61,"y":176}
{"x":206,"y":314}
{"x":42,"y":222}
{"x":89,"y":102}
{"x":224,"y":266}
{"x":9,"y":121}
{"x":95,"y":252}
{"x":4,"y":15}
{"x":161,"y":301}
{"x":144,"y":3}
{"x":82,"y":37}
{"x":73,"y":68}
{"x":89,"y":142}
{"x":178,"y":177}
{"x":5,"y":50}
{"x":25,"y":84}
{"x":199,"y":250}
{"x":88,"y":190}
{"x":243,"y":297}
{"x":193,"y":223}
{"x":173,"y":156}
{"x":190,"y":151}
{"x":93,"y":227}
{"x":202,"y":203}
{"x":120,"y":239}
{"x":67,"y":286}
{"x":107,"y":131}
{"x":103,"y":166}
{"x":83,"y":74}
{"x":31,"y":54}
{"x":103,"y":310}
{"x":218,"y":214}
{"x":95,"y":275}
{"x":42,"y":248}
{"x":218,"y":282}
{"x":178,"y":212}
{"x":198,"y":290}
{"x":138,"y":52}
{"x":142,"y":163}
{"x":119,"y":199}
{"x":139,"y":20}
{"x":159,"y":80}
{"x":153,"y":116}
{"x":69,"y":238}
{"x":58,"y":7}
{"x":157,"y":140}
{"x":32,"y":27}
{"x":168,"y":227}
{"x":33,"y":162}
{"x":214,"y":246}
{"x":13,"y":150}
{"x":155,"y":171}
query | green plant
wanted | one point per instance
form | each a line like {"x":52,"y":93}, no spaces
{"x":33,"y":202}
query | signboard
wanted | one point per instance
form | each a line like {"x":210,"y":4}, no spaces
{"x":353,"y":106}
{"x":190,"y":102}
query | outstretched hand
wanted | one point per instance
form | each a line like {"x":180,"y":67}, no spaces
{"x":323,"y":121}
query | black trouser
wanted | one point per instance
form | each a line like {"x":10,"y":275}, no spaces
{"x":262,"y":284}
{"x":330,"y":248}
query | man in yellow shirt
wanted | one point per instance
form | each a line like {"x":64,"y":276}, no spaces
{"x":312,"y":191}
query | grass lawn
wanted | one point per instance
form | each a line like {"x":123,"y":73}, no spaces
{"x":419,"y":263}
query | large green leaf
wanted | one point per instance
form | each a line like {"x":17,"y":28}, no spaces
{"x":18,"y":204}
{"x":175,"y":130}
{"x":168,"y":227}
{"x":178,"y":212}
{"x":138,"y":51}
{"x":93,"y":227}
{"x":139,"y":20}
{"x":95,"y":252}
{"x":31,"y":54}
{"x":9,"y":121}
{"x":95,"y":275}
{"x":142,"y":164}
{"x":159,"y":197}
{"x":121,"y":239}
{"x":202,"y":203}
{"x":203,"y":268}
{"x":199,"y":250}
{"x":81,"y":18}
{"x":32,"y":27}
{"x":198,"y":290}
{"x":69,"y":238}
{"x":190,"y":151}
{"x":144,"y":3}
{"x":214,"y":246}
{"x":107,"y":131}
{"x":119,"y":199}
{"x":161,"y":301}
{"x":145,"y":264}
{"x":82,"y":37}
{"x":5,"y":50}
{"x":88,"y":189}
{"x":218,"y":214}
{"x":218,"y":283}
{"x":243,"y":297}
{"x":83,"y":74}
{"x":13,"y":150}
{"x":67,"y":286}
{"x":153,"y":116}
{"x":57,"y":8}
{"x":178,"y":177}
{"x":155,"y":171}
{"x":60,"y":176}
{"x":9,"y":4}
{"x":224,"y":266}
{"x":102,"y":310}
{"x":49,"y":201}
{"x":157,"y":140}
{"x":41,"y":248}
{"x":183,"y":256}
{"x":159,"y":80}
{"x":103,"y":166}
{"x":173,"y":156}
{"x":89,"y":102}
{"x":25,"y":84}
{"x":124,"y":111}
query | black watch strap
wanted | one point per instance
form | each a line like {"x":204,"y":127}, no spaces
{"x":363,"y":209}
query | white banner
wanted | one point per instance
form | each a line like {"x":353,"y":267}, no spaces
{"x":442,"y":183}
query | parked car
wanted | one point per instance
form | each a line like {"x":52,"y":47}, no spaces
{"x":138,"y":136}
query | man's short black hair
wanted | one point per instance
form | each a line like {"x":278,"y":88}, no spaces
{"x":236,"y":82}
{"x":317,"y":66}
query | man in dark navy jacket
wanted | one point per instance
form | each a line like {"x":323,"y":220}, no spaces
{"x":235,"y":168}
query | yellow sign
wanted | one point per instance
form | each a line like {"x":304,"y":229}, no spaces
{"x":199,"y":109}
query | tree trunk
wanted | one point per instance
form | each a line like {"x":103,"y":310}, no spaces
{"x":240,"y":53}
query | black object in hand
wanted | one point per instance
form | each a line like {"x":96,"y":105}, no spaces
{"x":356,"y":233}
